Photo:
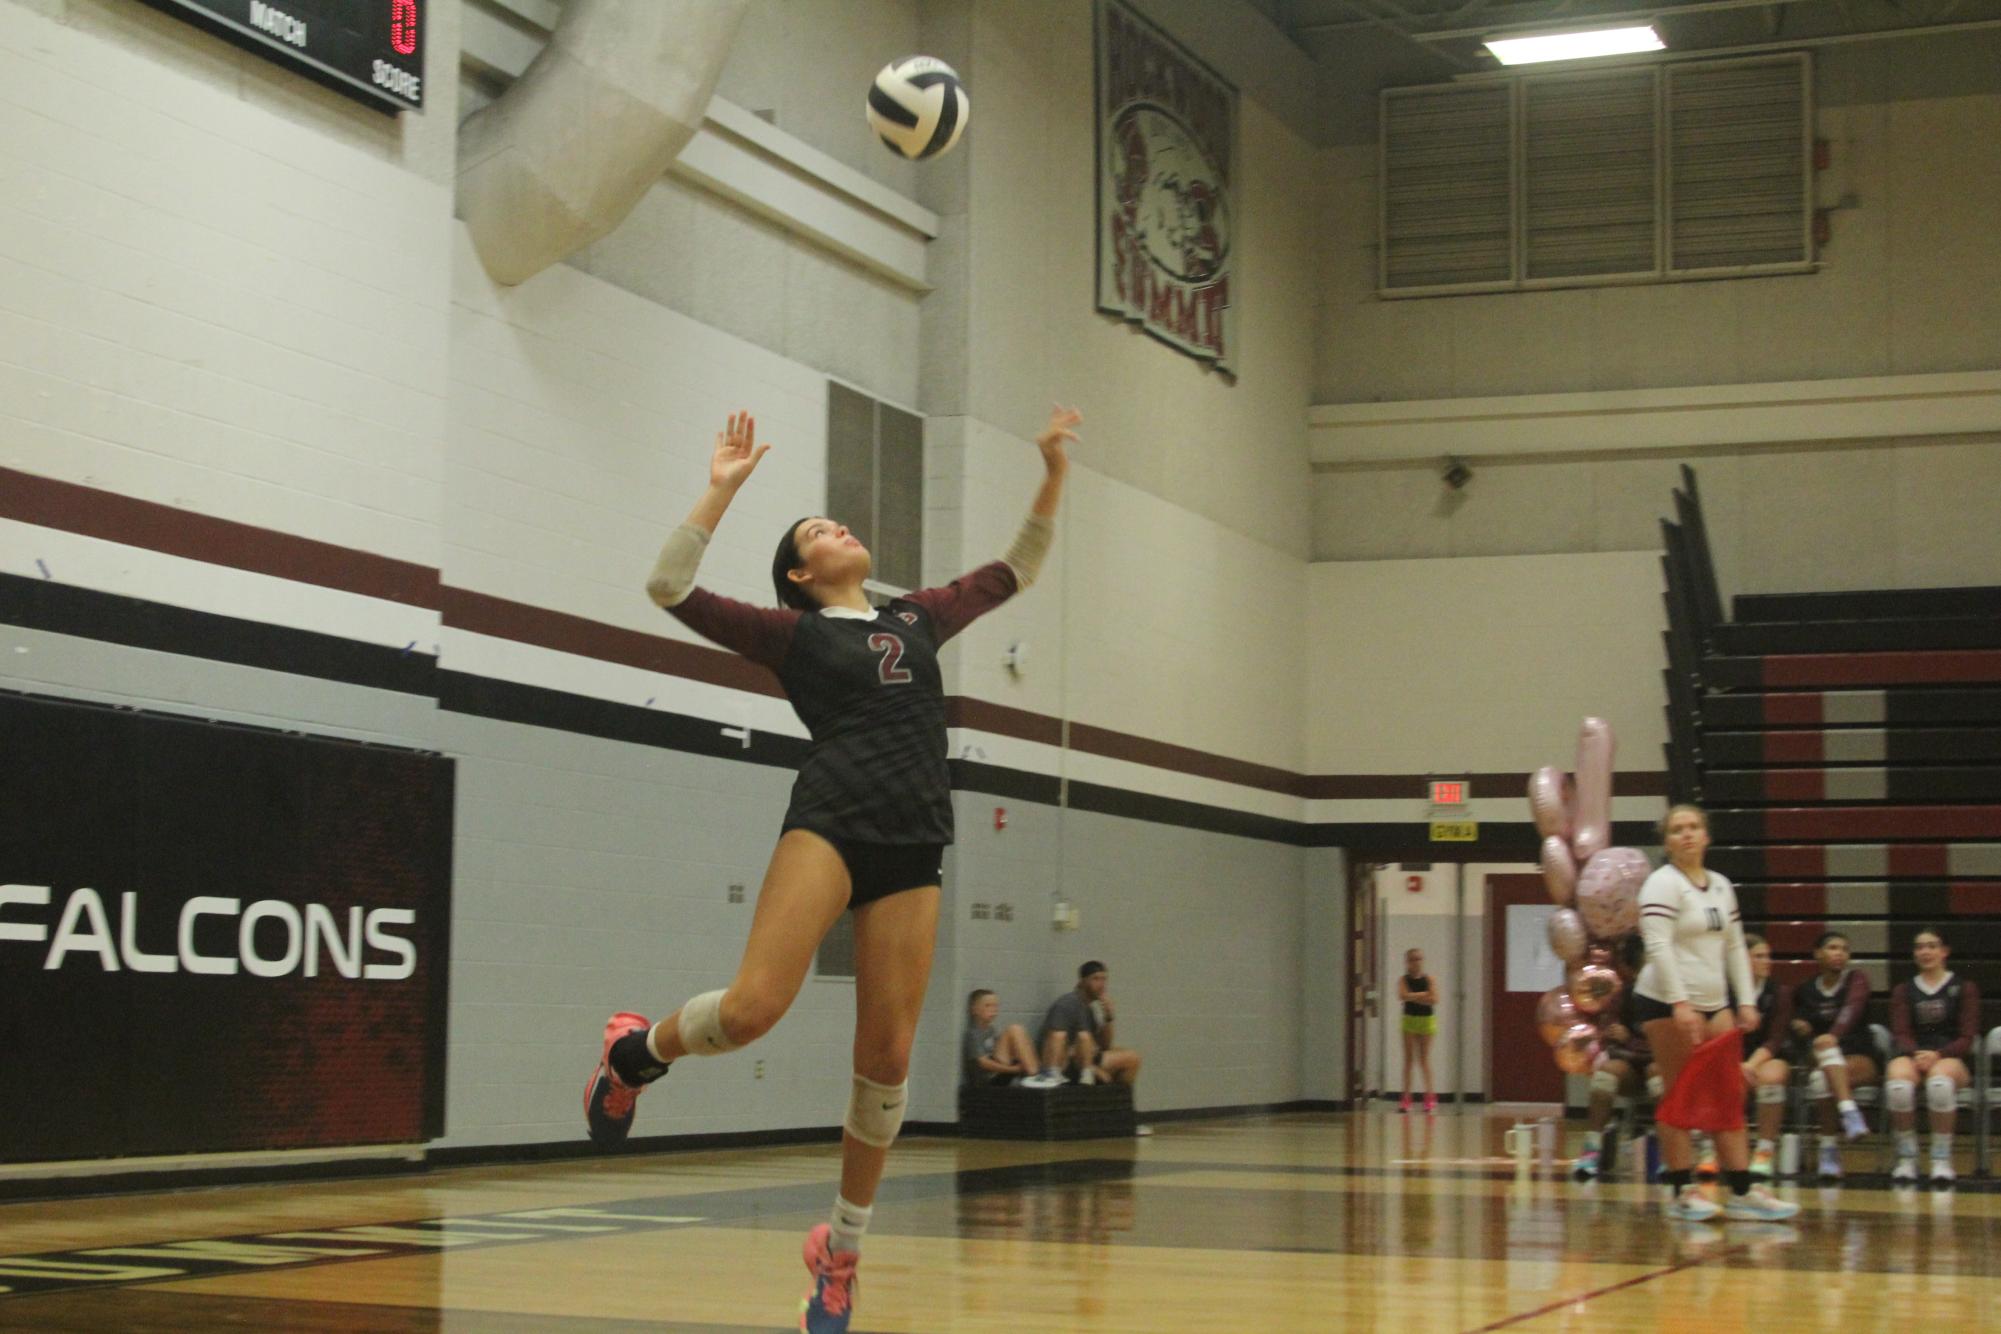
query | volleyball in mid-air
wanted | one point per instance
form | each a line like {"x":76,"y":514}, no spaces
{"x":918,"y":106}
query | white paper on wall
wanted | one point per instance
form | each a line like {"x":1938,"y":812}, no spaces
{"x":1532,"y":964}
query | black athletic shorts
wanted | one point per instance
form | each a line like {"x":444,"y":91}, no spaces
{"x":1646,"y":1009}
{"x":878,"y":870}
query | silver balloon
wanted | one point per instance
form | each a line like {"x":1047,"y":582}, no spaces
{"x":1608,"y":892}
{"x":1549,"y":802}
{"x":1559,"y":871}
{"x":1554,"y":1014}
{"x":1567,"y":936}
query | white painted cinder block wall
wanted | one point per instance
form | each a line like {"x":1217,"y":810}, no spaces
{"x":211,"y":304}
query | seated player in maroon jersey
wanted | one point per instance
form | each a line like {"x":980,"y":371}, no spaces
{"x":1935,"y":1018}
{"x":1827,"y":1012}
{"x":866,"y":829}
{"x":1616,"y":1084}
{"x":1765,"y":1071}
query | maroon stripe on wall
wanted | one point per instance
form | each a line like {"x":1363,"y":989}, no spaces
{"x":1917,"y":667}
{"x":90,"y":512}
{"x":1360,"y":787}
{"x":486,"y":615}
{"x":1184,"y":759}
{"x":978,"y":714}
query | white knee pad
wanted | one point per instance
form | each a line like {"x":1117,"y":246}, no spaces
{"x":1771,"y":1093}
{"x":1655,"y":1087}
{"x":1605,"y":1082}
{"x":1900,"y":1095}
{"x":875,"y":1112}
{"x":701,"y":1026}
{"x":1830,"y":1056}
{"x":1941,"y":1094}
{"x":1816,"y":1086}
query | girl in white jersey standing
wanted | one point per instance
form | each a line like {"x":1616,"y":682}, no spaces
{"x":1695,"y":957}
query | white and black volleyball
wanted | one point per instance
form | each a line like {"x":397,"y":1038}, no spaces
{"x":918,"y":106}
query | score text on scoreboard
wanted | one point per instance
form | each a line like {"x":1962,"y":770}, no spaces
{"x":1449,"y":792}
{"x":370,"y":50}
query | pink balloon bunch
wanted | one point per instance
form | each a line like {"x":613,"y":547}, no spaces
{"x":1596,"y":888}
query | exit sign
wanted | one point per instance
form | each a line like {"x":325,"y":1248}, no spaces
{"x":1451,"y":792}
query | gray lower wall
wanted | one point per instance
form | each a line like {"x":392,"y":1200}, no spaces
{"x":593,"y":875}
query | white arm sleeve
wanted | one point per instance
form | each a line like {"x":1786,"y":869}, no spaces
{"x":1662,"y":895}
{"x":1030,"y":545}
{"x":1736,"y":958}
{"x":673,"y":576}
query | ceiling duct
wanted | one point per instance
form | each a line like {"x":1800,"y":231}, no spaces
{"x":559,"y":159}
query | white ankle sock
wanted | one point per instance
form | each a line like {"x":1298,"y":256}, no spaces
{"x":848,"y":1223}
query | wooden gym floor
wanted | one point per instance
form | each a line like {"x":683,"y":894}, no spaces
{"x":1370,"y":1221}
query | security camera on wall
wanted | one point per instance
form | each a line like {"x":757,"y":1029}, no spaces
{"x":1455,"y":474}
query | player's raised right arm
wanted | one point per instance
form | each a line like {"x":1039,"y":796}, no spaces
{"x":673,"y":576}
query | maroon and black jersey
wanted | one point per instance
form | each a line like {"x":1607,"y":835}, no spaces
{"x":1838,"y":1012}
{"x":1946,"y":1021}
{"x":1774,"y":1017}
{"x":870,"y":694}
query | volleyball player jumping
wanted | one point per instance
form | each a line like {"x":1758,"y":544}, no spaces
{"x":870,"y":815}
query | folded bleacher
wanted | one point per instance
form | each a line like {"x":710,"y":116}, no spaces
{"x":1848,"y":748}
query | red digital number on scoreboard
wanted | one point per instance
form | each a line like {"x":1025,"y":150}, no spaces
{"x":403,"y":26}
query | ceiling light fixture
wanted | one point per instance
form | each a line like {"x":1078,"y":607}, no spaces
{"x":1543,"y":46}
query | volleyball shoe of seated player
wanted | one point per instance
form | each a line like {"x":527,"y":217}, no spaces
{"x":1827,"y":1014}
{"x":1696,"y":959}
{"x":1935,"y":1020}
{"x":865,"y":831}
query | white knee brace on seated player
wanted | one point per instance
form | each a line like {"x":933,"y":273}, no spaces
{"x":1941,"y":1094}
{"x":1769,"y":1093}
{"x":875,"y":1112}
{"x":701,"y":1026}
{"x":1900,"y":1095}
{"x":1655,"y":1087}
{"x":1816,"y":1085}
{"x":1829,"y":1056}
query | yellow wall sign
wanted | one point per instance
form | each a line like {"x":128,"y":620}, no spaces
{"x":1455,"y":831}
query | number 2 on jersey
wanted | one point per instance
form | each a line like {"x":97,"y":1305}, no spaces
{"x":891,"y":649}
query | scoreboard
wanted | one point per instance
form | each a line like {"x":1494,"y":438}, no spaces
{"x":371,"y":50}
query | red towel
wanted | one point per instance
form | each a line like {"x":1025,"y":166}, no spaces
{"x":1709,"y":1093}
